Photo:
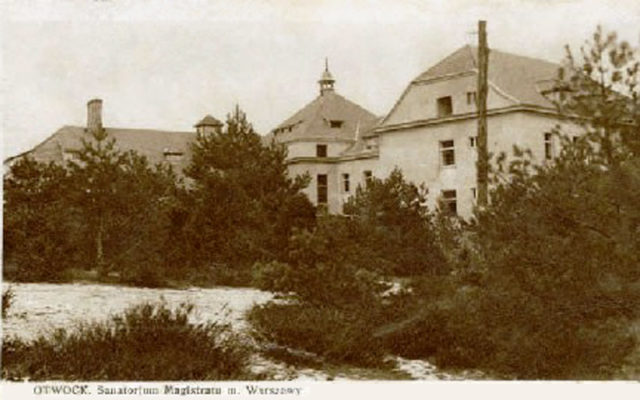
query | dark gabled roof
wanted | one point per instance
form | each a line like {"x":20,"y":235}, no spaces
{"x":313,"y":120}
{"x":153,"y":144}
{"x":518,"y":77}
{"x":208,"y":120}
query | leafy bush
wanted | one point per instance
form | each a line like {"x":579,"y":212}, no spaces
{"x":147,"y":342}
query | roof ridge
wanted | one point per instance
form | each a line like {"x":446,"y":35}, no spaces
{"x":127,"y":129}
{"x":444,"y":60}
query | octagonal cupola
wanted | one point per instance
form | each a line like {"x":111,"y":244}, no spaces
{"x":326,"y":80}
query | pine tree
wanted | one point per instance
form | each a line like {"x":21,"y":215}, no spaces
{"x":243,"y":203}
{"x":37,"y":225}
{"x":124,"y":203}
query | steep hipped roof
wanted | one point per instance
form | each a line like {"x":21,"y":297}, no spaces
{"x":517,"y":76}
{"x":313,"y":120}
{"x":152,"y":144}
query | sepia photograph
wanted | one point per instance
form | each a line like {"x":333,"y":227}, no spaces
{"x":280,"y":198}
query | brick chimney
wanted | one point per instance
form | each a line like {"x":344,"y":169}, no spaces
{"x":94,"y":116}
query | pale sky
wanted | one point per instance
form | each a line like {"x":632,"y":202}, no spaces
{"x":165,"y":64}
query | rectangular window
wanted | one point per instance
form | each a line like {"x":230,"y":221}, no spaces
{"x":445,"y":106}
{"x":345,"y":183}
{"x":575,"y":139}
{"x":471,"y":98}
{"x":322,"y":189}
{"x":548,"y":146}
{"x":449,"y":201}
{"x":447,"y":153}
{"x":321,"y":150}
{"x":172,"y":156}
{"x":335,"y":124}
{"x":473,"y":141}
{"x":368,"y":176}
{"x":474,"y":193}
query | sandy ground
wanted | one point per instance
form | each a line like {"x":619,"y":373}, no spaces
{"x":39,"y":308}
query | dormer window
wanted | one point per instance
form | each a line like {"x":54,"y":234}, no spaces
{"x":335,"y":123}
{"x":70,"y":155}
{"x":172,"y":155}
{"x":445,"y":106}
{"x":321,"y":150}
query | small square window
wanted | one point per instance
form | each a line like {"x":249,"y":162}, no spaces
{"x":321,"y":150}
{"x":447,"y":153}
{"x":335,"y":124}
{"x":449,"y":202}
{"x":445,"y":106}
{"x":172,"y":156}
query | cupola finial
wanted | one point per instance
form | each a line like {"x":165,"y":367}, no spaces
{"x":326,"y":80}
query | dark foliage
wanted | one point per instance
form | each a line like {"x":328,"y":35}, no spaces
{"x":39,"y":229}
{"x":125,"y":204}
{"x":242,"y":206}
{"x":551,"y":286}
{"x":398,"y":227}
{"x":339,"y":272}
{"x":147,"y":342}
{"x":337,"y":335}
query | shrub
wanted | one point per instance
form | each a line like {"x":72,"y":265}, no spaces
{"x":147,"y":342}
{"x":338,"y":272}
{"x":336,"y":335}
{"x":273,"y":276}
{"x":144,"y":276}
{"x":396,"y":226}
{"x":555,"y":278}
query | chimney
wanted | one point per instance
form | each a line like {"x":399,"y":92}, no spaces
{"x":94,"y":116}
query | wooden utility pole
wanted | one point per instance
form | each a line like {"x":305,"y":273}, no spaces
{"x":482,"y":165}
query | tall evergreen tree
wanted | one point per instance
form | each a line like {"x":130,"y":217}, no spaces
{"x":242,"y":204}
{"x":38,"y":225}
{"x":124,"y":202}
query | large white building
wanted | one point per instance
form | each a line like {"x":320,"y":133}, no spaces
{"x":429,"y":134}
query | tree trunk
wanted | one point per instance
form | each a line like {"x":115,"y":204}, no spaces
{"x":100,"y":264}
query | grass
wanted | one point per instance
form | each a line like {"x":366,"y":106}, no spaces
{"x":147,"y":342}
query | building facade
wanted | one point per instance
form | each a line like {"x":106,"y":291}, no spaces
{"x":158,"y":146}
{"x":430,"y":133}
